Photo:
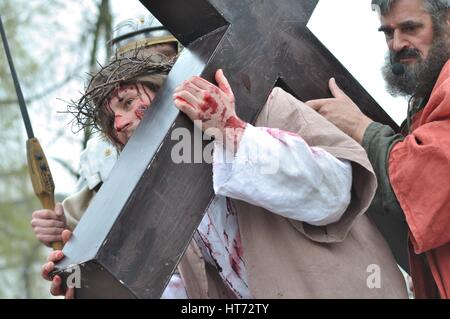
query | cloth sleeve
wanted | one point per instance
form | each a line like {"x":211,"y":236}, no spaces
{"x":76,"y":204}
{"x":278,"y":171}
{"x":378,"y":141}
{"x":385,"y":210}
{"x":419,"y":169}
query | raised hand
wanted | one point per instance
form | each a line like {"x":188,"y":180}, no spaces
{"x":54,"y":257}
{"x":211,"y":107}
{"x":342,"y":112}
{"x":48,"y":225}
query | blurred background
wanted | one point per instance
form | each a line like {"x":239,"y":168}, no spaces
{"x":54,"y":44}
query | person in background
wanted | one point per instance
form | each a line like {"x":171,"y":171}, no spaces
{"x":412,"y":167}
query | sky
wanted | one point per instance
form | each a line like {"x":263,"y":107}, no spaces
{"x":348,"y":28}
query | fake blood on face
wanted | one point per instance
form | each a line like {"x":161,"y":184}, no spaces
{"x":140,"y":112}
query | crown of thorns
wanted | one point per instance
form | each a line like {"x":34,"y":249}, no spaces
{"x":87,"y":111}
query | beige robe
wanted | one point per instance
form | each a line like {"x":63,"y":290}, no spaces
{"x":289,"y":259}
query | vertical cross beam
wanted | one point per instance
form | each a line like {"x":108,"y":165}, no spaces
{"x":136,"y":229}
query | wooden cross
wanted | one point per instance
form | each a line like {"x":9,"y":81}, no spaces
{"x":137,"y":228}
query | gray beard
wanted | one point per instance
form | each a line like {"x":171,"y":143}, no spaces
{"x":419,"y":78}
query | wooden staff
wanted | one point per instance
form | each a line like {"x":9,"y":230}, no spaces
{"x":40,"y":174}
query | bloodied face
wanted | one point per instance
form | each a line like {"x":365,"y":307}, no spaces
{"x":127,"y":105}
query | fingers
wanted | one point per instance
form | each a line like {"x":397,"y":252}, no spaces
{"x":201,"y":83}
{"x":197,"y":86}
{"x":186,"y":108}
{"x":335,"y":90}
{"x":66,"y":234}
{"x":200,"y":99}
{"x":47,"y":223}
{"x":189,"y":98}
{"x":59,"y":211}
{"x":55,"y":288}
{"x":44,"y":219}
{"x":189,"y":86}
{"x":47,"y":226}
{"x":70,"y":293}
{"x":223,"y":84}
{"x":55,"y":256}
{"x":317,"y":104}
{"x":45,"y":214}
{"x":47,"y":268}
{"x":48,"y":231}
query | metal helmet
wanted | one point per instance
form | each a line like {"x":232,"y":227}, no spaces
{"x":139,"y":33}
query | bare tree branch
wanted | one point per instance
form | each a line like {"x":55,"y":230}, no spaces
{"x":43,"y":93}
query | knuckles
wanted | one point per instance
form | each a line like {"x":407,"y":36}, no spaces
{"x":206,"y":95}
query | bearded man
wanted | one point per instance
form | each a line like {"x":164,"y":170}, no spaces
{"x":413,"y":168}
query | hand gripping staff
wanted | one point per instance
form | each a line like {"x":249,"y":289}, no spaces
{"x":40,"y":174}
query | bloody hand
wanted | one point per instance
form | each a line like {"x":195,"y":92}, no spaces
{"x":212,"y":108}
